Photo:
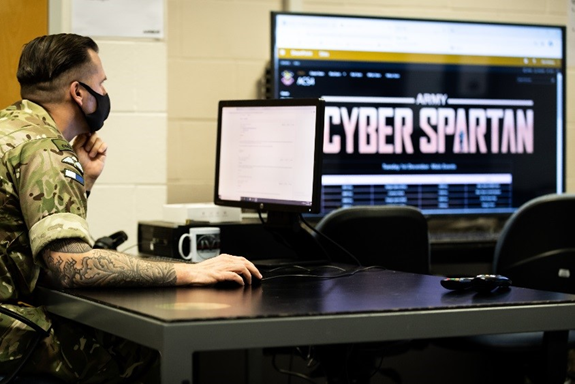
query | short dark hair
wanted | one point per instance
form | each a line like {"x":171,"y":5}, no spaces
{"x":46,"y":61}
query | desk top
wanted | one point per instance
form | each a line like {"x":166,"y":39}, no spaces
{"x":372,"y":291}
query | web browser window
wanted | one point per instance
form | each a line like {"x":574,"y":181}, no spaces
{"x":450,"y":117}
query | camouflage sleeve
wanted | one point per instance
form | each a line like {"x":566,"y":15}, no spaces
{"x":58,"y":226}
{"x":52,"y":196}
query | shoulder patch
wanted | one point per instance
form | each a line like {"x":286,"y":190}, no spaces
{"x":62,"y":145}
{"x":74,"y":176}
{"x":71,"y":160}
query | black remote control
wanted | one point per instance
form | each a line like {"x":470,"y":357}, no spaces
{"x":457,"y":283}
{"x":489,"y":283}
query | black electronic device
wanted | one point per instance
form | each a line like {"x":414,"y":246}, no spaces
{"x":483,"y":283}
{"x":111,"y":242}
{"x":468,"y":121}
{"x":160,"y":238}
{"x":490,"y":283}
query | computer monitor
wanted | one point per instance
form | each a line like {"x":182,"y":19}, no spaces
{"x":269,"y":155}
{"x":453,"y":117}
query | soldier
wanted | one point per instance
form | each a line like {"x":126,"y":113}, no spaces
{"x":51,"y":157}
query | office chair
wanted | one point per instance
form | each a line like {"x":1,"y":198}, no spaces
{"x":536,"y":249}
{"x":394,"y":237}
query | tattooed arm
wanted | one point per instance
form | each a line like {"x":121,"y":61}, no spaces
{"x":71,"y":263}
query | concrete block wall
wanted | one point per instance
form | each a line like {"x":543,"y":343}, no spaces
{"x":218,"y":49}
{"x":133,"y":186}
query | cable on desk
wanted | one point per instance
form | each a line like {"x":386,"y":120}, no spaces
{"x":307,"y":269}
{"x":345,"y":273}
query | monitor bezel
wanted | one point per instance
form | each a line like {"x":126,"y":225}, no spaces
{"x":315,"y":206}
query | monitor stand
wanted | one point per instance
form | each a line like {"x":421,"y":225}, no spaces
{"x":288,"y":230}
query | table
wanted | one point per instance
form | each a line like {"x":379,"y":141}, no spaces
{"x":373,"y":305}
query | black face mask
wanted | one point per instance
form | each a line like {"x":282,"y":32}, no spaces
{"x":96,"y":119}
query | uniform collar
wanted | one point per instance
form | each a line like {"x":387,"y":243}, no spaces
{"x":36,"y":109}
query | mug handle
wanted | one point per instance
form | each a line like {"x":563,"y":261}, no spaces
{"x":180,"y":247}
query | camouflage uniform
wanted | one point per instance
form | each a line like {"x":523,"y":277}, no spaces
{"x":42,"y":199}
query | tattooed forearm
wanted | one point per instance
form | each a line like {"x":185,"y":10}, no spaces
{"x":106,"y":268}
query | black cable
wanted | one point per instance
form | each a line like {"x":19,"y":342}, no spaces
{"x":260,"y":216}
{"x":326,"y":277}
{"x":330,"y":240}
{"x":277,"y":234}
{"x":377,"y":369}
{"x":306,"y":269}
{"x":290,"y":373}
{"x":344,"y":273}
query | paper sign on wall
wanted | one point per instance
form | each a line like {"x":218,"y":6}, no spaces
{"x":118,"y":18}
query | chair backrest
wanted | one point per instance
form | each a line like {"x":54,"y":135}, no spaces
{"x":394,"y":237}
{"x":536,"y":248}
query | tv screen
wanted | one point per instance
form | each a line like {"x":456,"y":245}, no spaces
{"x":269,"y":154}
{"x":452,"y":117}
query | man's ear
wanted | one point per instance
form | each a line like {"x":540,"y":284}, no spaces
{"x":76,"y":93}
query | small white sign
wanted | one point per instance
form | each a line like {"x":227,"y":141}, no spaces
{"x":118,"y":18}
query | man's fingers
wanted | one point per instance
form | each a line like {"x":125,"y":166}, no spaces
{"x":98,"y":147}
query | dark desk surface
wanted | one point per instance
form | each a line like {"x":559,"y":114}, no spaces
{"x":375,"y":305}
{"x":368,"y":291}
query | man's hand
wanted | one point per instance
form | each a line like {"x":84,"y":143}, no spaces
{"x":218,"y":269}
{"x":91,"y":151}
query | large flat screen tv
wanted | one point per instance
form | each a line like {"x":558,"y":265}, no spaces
{"x":453,"y":117}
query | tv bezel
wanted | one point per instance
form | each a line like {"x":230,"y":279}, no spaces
{"x":274,"y":92}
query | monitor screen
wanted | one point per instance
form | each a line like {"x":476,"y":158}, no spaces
{"x":451,"y":117}
{"x":269,"y":154}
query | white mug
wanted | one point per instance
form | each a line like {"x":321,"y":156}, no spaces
{"x":204,"y":243}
